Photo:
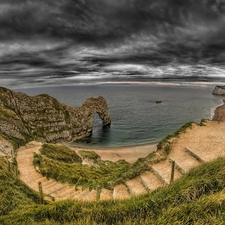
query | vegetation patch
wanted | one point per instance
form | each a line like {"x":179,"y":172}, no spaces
{"x":14,"y":195}
{"x":60,"y":153}
{"x":91,"y":155}
{"x":101,"y":174}
{"x":165,"y":142}
{"x":196,"y":198}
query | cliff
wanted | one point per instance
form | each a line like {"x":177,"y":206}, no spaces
{"x":219,"y":113}
{"x":219,"y":90}
{"x":24,"y":118}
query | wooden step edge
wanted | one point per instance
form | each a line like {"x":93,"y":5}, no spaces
{"x":178,"y":166}
{"x":159,"y":176}
{"x":114,"y":195}
{"x":145,"y":184}
{"x":90,"y":193}
{"x":67,"y":193}
{"x":196,"y":156}
{"x":58,"y":189}
{"x":50,"y":185}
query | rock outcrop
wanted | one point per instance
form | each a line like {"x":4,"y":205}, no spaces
{"x":24,"y":118}
{"x":219,"y":113}
{"x":219,"y":90}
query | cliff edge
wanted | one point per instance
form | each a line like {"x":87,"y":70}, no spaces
{"x":219,"y":90}
{"x":24,"y":118}
{"x":219,"y":113}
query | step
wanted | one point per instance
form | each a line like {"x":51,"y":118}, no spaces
{"x":82,"y":195}
{"x":163,"y":171}
{"x":106,"y":194}
{"x":150,"y":180}
{"x":67,"y":193}
{"x":72,"y":195}
{"x":135,"y":186}
{"x":92,"y":196}
{"x":52,"y":188}
{"x":60,"y":190}
{"x":184,"y":160}
{"x":195,"y":155}
{"x":178,"y":166}
{"x":121,"y":192}
{"x":48,"y":182}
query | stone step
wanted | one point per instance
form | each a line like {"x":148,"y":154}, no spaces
{"x":195,"y":155}
{"x":121,"y":192}
{"x":135,"y":186}
{"x":150,"y":180}
{"x":106,"y":194}
{"x":163,"y":171}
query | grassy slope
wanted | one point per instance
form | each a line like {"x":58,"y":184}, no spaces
{"x":14,"y":195}
{"x":56,"y":161}
{"x":197,"y":198}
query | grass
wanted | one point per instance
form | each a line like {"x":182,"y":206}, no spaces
{"x":56,"y":162}
{"x":101,"y":174}
{"x":14,"y":195}
{"x":165,"y":142}
{"x":60,"y":153}
{"x":196,"y":198}
{"x":91,"y":155}
{"x":6,"y":114}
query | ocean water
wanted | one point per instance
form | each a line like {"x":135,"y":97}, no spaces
{"x":136,"y":118}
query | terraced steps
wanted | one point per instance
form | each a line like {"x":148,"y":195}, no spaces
{"x":136,"y":187}
{"x":189,"y":150}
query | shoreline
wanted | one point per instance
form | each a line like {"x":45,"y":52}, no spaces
{"x":128,"y":153}
{"x":219,"y":112}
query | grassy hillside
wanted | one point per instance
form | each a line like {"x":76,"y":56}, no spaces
{"x":197,"y":198}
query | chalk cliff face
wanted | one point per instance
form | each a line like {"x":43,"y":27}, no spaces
{"x":219,"y":90}
{"x":43,"y":118}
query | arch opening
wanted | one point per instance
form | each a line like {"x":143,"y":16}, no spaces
{"x":99,"y":133}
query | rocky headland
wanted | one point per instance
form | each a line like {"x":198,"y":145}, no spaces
{"x":24,"y":118}
{"x":219,"y":113}
{"x":219,"y":90}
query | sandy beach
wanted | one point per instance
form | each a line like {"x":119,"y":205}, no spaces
{"x":130,"y":153}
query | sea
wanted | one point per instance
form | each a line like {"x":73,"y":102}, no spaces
{"x":136,"y":117}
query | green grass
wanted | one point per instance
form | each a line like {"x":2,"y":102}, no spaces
{"x":6,"y":114}
{"x":91,"y":155}
{"x":165,"y":142}
{"x":14,"y":195}
{"x":102,"y":174}
{"x":56,"y":162}
{"x":60,"y":153}
{"x":197,"y":198}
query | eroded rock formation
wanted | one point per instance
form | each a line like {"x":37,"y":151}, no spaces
{"x":219,"y":90}
{"x":24,"y":118}
{"x":219,"y":113}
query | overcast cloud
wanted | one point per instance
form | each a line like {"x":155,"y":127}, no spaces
{"x":64,"y":41}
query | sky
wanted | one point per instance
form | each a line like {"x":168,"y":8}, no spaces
{"x":49,"y":42}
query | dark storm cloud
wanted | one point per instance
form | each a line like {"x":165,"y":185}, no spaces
{"x":99,"y":19}
{"x":76,"y":37}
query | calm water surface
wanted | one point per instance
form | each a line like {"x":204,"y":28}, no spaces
{"x":136,"y":118}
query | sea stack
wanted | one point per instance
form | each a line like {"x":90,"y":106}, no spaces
{"x":219,"y":90}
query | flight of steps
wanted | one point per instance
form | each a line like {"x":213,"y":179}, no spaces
{"x":159,"y":175}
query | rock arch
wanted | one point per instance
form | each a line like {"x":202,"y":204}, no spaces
{"x":44,"y":118}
